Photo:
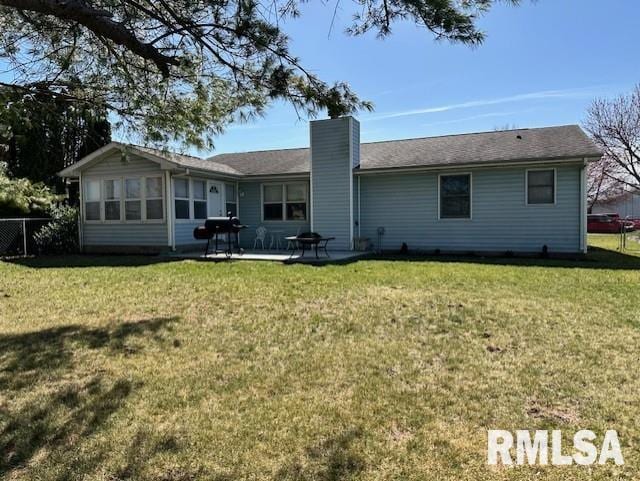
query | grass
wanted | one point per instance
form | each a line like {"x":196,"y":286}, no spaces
{"x":127,"y":368}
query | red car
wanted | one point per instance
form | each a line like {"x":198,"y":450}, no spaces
{"x":635,"y":221}
{"x":631,"y":224}
{"x":607,"y":224}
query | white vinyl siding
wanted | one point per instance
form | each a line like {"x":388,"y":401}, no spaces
{"x":100,"y":233}
{"x":332,"y":159}
{"x":406,"y":205}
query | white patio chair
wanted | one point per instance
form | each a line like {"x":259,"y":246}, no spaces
{"x":261,"y":235}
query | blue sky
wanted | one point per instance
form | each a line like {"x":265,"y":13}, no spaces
{"x":541,"y":64}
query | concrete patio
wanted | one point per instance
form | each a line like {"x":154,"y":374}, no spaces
{"x":335,"y":257}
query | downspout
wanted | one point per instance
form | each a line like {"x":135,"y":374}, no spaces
{"x":359,"y":217}
{"x":583,"y":208}
{"x":171,"y":241}
{"x":237,"y":199}
{"x":81,"y":217}
{"x":311,"y":179}
{"x":351,"y":244}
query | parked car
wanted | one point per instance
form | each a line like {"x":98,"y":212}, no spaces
{"x":630,"y":224}
{"x":635,"y":221}
{"x":608,"y":224}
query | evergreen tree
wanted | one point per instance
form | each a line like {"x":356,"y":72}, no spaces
{"x":42,"y":134}
{"x":178,"y":70}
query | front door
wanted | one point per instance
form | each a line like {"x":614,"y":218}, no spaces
{"x":216,"y":201}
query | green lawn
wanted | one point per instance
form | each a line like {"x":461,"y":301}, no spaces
{"x":128,"y":368}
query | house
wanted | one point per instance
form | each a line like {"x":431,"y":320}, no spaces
{"x":514,"y":190}
{"x":626,"y":204}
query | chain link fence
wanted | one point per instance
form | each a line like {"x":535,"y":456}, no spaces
{"x":17,"y":236}
{"x":629,"y":241}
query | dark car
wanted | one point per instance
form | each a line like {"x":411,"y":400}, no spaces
{"x":607,"y":224}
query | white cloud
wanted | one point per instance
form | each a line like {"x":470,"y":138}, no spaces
{"x":481,"y":116}
{"x":472,"y":117}
{"x":584,"y":92}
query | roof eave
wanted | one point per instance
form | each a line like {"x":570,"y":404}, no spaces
{"x":74,"y":169}
{"x":197,"y":171}
{"x":275,"y":176}
{"x":467,"y":165}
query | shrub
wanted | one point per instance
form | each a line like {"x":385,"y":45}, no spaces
{"x":60,"y":235}
{"x":21,"y":197}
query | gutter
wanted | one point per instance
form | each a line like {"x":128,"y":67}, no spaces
{"x":442,"y":167}
{"x":171,"y":241}
{"x":81,"y":213}
{"x":191,"y":171}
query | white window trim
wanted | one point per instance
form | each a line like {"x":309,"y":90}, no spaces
{"x":121,"y":179}
{"x":99,"y":201}
{"x":555,"y":187}
{"x":145,"y":199}
{"x":191,"y":199}
{"x":233,"y":201}
{"x":139,"y":199}
{"x":103,"y":201}
{"x":457,"y":219}
{"x":192,"y":210}
{"x":284,"y":202}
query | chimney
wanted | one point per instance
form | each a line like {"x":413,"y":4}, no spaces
{"x":335,"y":152}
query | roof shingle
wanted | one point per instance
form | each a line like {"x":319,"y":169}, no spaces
{"x":547,"y":143}
{"x":190,"y":161}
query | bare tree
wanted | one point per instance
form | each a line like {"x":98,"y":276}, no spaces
{"x":614,"y":125}
{"x":601,"y":186}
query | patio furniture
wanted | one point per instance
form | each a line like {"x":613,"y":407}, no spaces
{"x":214,"y":227}
{"x":276,"y":235}
{"x":307,"y":240}
{"x":291,"y":244}
{"x":261,"y":234}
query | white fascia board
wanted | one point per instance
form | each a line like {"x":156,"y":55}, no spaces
{"x":487,"y":165}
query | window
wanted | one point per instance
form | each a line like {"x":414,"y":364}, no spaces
{"x":455,"y":196}
{"x":296,"y":195}
{"x":272,"y":197}
{"x":285,"y":201}
{"x":132,"y":199}
{"x":92,"y":200}
{"x":230,"y":199}
{"x":112,"y":194}
{"x":199,"y":199}
{"x":541,"y":186}
{"x":132,"y":202}
{"x":181,"y":188}
{"x":153,"y":198}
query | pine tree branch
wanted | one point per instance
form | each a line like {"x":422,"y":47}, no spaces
{"x":99,"y":22}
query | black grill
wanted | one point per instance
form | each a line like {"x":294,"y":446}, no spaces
{"x":214,"y":227}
